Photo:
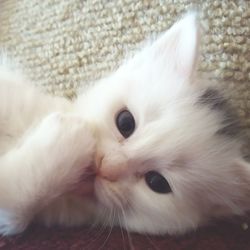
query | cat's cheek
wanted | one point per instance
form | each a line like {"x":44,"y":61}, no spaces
{"x":103,"y":194}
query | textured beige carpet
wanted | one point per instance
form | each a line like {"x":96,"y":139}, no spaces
{"x":64,"y":44}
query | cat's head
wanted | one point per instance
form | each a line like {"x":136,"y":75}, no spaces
{"x":168,"y":156}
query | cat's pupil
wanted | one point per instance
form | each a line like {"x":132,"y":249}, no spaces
{"x":125,"y":123}
{"x":157,"y":182}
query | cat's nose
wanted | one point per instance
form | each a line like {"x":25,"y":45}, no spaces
{"x":111,"y":168}
{"x":98,"y":161}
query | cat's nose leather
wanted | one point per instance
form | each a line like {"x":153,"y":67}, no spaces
{"x":98,"y":161}
{"x":111,"y":166}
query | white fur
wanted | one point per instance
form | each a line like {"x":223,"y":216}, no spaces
{"x":44,"y":152}
{"x":10,"y":223}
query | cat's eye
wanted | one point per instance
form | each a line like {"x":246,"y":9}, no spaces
{"x":125,"y":123}
{"x":157,"y":182}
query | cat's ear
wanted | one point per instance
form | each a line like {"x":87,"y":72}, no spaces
{"x":177,"y":48}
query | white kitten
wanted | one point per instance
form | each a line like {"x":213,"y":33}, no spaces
{"x":163,"y":148}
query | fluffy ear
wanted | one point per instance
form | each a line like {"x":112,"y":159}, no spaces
{"x":178,"y":47}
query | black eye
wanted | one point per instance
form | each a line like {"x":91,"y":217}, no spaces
{"x":157,"y":182}
{"x":125,"y":123}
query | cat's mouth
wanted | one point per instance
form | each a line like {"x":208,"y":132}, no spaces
{"x":85,"y":186}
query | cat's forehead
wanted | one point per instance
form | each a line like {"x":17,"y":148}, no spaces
{"x":152,"y":103}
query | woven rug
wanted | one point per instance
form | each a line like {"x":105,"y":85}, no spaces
{"x":67,"y":44}
{"x":64,"y":44}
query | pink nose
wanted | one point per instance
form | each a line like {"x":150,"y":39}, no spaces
{"x":111,"y":168}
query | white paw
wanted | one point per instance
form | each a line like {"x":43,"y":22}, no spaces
{"x":10,"y":224}
{"x":66,"y":144}
{"x":56,"y":126}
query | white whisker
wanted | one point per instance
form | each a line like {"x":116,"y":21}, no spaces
{"x":121,"y":229}
{"x":100,"y":231}
{"x":128,"y":234}
{"x":112,"y":218}
{"x":151,"y":242}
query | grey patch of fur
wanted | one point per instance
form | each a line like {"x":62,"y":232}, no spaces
{"x":230,"y":121}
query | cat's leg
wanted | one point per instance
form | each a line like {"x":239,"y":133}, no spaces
{"x":50,"y":160}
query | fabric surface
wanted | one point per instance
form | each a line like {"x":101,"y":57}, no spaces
{"x":66,"y":44}
{"x":223,"y":236}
